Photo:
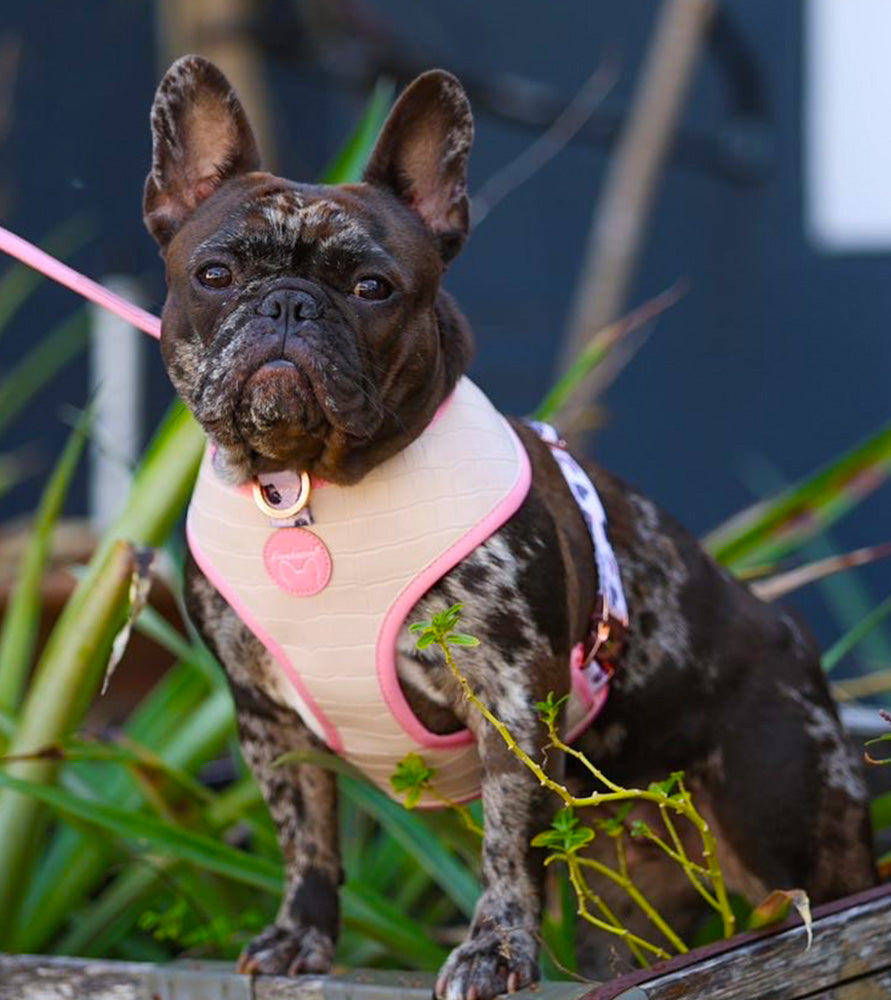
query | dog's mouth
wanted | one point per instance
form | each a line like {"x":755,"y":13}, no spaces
{"x":289,"y":408}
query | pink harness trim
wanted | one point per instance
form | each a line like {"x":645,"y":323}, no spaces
{"x":332,"y":737}
{"x":415,"y":589}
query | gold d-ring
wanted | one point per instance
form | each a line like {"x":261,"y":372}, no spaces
{"x":283,"y":512}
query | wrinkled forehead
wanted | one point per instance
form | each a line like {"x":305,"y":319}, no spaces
{"x":280,"y":223}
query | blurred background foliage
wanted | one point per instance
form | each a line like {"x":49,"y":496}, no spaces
{"x":128,"y":824}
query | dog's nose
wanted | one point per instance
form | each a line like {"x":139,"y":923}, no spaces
{"x":291,"y":305}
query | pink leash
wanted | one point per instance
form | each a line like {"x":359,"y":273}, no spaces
{"x":34,"y":257}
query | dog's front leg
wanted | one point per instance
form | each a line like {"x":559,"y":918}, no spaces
{"x":501,"y":951}
{"x":302,"y":800}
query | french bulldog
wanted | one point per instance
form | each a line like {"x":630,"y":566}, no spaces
{"x":306,"y":328}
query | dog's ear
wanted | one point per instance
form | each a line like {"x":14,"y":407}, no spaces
{"x":200,"y":138}
{"x":421,"y":155}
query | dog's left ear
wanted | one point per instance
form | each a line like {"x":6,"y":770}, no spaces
{"x":200,"y":138}
{"x":421,"y":156}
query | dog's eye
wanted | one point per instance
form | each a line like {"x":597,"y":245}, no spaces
{"x":215,"y":276}
{"x":371,"y":288}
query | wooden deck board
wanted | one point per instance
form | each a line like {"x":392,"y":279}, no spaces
{"x":36,"y":977}
{"x":850,"y":960}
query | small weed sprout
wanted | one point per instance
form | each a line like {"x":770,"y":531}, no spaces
{"x":567,"y":835}
{"x":177,"y":925}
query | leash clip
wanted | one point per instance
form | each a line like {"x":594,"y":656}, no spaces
{"x":601,"y":633}
{"x":607,"y":634}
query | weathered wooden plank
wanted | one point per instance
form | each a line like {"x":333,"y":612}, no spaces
{"x":850,"y":960}
{"x":876,"y":987}
{"x":34,"y":977}
{"x":373,"y":984}
{"x":850,"y":945}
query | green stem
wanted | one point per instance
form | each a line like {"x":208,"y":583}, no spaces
{"x":710,"y":853}
{"x":681,"y":803}
{"x":654,"y":916}
{"x":503,"y":731}
{"x":558,"y":744}
{"x":691,"y":868}
{"x":462,"y":810}
{"x":579,"y":886}
{"x":612,"y":918}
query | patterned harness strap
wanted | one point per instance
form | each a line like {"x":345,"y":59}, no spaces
{"x":609,"y":619}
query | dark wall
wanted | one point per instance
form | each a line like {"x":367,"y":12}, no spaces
{"x":777,"y":354}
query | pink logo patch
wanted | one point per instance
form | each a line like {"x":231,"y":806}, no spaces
{"x":298,"y":561}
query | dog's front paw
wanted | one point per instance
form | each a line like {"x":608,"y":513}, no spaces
{"x":490,"y":963}
{"x":288,"y":951}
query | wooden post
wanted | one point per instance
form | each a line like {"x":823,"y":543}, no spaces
{"x":619,"y":224}
{"x":215,"y":29}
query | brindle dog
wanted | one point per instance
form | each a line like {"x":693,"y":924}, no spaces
{"x":306,"y":328}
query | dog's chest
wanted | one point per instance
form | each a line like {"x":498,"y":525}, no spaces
{"x":386,"y":542}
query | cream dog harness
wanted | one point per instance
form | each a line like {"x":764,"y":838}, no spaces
{"x":327,"y":589}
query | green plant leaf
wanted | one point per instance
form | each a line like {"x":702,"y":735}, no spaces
{"x":370,"y":912}
{"x":460,"y":639}
{"x":14,"y":470}
{"x":549,"y":709}
{"x":559,"y":930}
{"x":321,"y":758}
{"x":40,"y":365}
{"x":19,"y":282}
{"x":667,"y":786}
{"x":597,"y":349}
{"x":884,"y":738}
{"x":846,"y":595}
{"x":772,"y":528}
{"x":163,"y":482}
{"x":71,"y":666}
{"x":840,"y":649}
{"x":146,"y":832}
{"x":154,"y":625}
{"x":74,"y":659}
{"x":775,"y":908}
{"x":615,"y":825}
{"x":565,"y":835}
{"x":18,"y":632}
{"x":409,"y":830}
{"x":108,"y":917}
{"x":410,"y":778}
{"x":880,"y":812}
{"x":348,"y":164}
{"x":73,"y":862}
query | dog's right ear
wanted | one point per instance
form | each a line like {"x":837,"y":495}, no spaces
{"x":421,"y":156}
{"x":200,"y":138}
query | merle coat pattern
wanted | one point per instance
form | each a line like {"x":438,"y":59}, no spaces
{"x":305,"y":327}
